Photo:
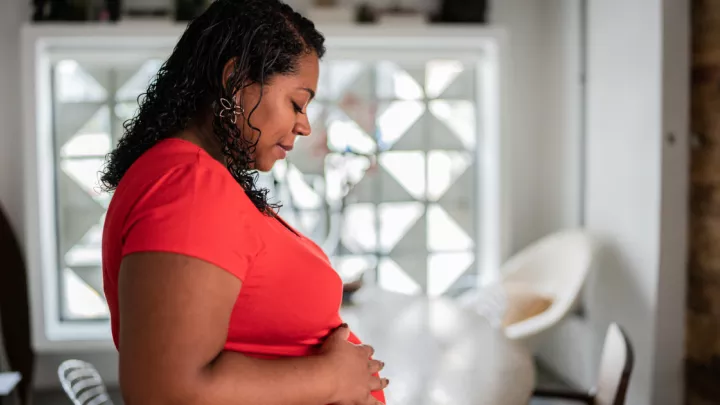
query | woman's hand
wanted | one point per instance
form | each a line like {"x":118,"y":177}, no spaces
{"x":353,"y":369}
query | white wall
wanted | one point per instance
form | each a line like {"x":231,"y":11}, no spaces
{"x":542,"y":142}
{"x":636,"y":192}
{"x":541,"y":138}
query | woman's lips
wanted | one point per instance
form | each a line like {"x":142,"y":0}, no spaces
{"x":283,"y":150}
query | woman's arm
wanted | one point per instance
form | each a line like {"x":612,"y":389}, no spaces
{"x":174,"y":316}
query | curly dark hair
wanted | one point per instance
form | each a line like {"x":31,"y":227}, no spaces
{"x":264,"y":38}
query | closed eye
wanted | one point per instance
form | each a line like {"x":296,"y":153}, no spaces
{"x":297,"y":108}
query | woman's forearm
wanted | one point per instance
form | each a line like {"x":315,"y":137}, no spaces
{"x":236,"y":379}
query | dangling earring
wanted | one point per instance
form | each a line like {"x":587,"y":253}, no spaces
{"x":230,"y":109}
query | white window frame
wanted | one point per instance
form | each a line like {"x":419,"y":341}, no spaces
{"x":43,"y":43}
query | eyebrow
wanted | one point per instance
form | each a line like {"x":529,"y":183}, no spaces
{"x":310,"y":91}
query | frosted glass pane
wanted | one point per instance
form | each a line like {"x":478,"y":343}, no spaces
{"x":351,"y":268}
{"x":340,"y":78}
{"x":73,"y":84}
{"x":303,"y":195}
{"x":395,"y":120}
{"x":345,"y":135}
{"x":342,"y":172}
{"x":396,"y":219}
{"x":81,"y":301}
{"x":459,"y":116}
{"x":394,"y":82}
{"x":444,"y":234}
{"x":87,"y":252}
{"x":138,"y":83}
{"x":408,"y":168}
{"x":440,"y":73}
{"x":393,"y":278}
{"x":444,"y":168}
{"x":359,"y":231}
{"x":82,"y":145}
{"x":86,"y":172}
{"x":445,"y":269}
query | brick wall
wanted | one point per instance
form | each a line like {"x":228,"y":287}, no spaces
{"x":703,"y":321}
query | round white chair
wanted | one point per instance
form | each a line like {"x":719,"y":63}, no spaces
{"x":556,"y":267}
{"x":538,"y":287}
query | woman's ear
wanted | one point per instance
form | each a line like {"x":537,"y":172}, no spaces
{"x":228,"y":70}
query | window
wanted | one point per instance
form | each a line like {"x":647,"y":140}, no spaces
{"x":387,"y":182}
{"x":90,"y":104}
{"x":391,"y":183}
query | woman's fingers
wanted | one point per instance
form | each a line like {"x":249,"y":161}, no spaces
{"x":368,"y":349}
{"x":375,"y":366}
{"x":378,"y":384}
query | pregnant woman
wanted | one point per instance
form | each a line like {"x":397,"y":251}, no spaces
{"x":214,"y":299}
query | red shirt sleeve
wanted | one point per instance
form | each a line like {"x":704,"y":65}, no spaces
{"x":197,"y":210}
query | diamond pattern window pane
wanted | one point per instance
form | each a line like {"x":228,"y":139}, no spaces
{"x":445,"y":269}
{"x":138,"y":83}
{"x":399,"y":172}
{"x":385,"y":184}
{"x":444,"y":168}
{"x":84,"y":145}
{"x":389,"y":128}
{"x":352,"y":267}
{"x":441,"y":74}
{"x":346,"y":135}
{"x":395,"y":82}
{"x":90,"y":105}
{"x":86,"y":301}
{"x":393,"y":278}
{"x":73,"y":84}
{"x":444,"y":234}
{"x":459,"y":116}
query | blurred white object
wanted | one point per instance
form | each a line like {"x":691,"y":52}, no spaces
{"x":400,"y":20}
{"x":555,"y":266}
{"x":8,"y":382}
{"x":331,"y":15}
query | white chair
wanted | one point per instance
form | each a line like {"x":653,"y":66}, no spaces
{"x":616,"y":366}
{"x":555,"y":267}
{"x":82,"y":383}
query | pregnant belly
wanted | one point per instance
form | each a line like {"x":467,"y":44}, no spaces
{"x":261,"y":351}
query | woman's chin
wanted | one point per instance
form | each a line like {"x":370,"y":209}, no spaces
{"x":264,"y":165}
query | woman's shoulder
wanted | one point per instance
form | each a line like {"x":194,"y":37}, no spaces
{"x":177,"y":199}
{"x":178,"y":168}
{"x":174,"y":153}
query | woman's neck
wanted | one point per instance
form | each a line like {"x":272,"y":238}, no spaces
{"x":203,"y":136}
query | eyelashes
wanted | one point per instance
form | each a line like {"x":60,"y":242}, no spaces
{"x":298,"y":109}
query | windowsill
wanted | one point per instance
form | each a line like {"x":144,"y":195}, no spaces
{"x":74,"y":336}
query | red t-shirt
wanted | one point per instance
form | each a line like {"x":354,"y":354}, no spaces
{"x":176,"y":198}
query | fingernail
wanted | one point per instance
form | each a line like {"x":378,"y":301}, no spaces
{"x":387,"y":382}
{"x":343,"y":325}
